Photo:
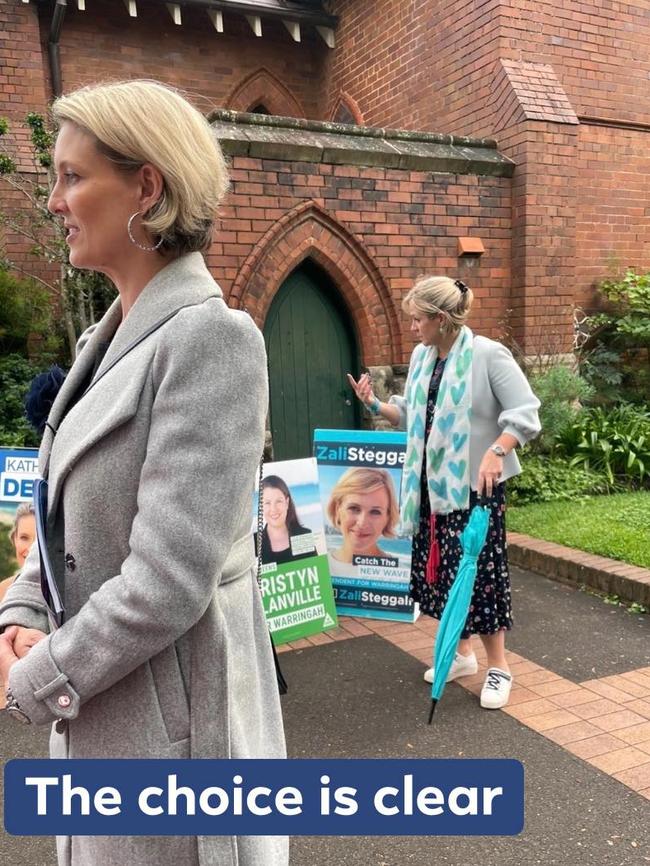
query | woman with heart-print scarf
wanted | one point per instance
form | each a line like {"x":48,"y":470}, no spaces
{"x":466,"y":407}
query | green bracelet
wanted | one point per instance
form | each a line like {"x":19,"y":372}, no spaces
{"x":374,"y":406}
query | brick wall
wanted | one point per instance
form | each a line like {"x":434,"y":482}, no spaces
{"x":613,"y":207}
{"x":598,"y":49}
{"x":545,"y":195}
{"x":373,"y":230}
{"x":105,"y":43}
{"x":407,"y":65}
{"x":578,"y":198}
{"x":22,"y":83}
{"x":578,"y":195}
{"x":429,"y":65}
{"x":22,"y":89}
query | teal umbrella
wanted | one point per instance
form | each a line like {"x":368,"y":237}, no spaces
{"x":455,"y":612}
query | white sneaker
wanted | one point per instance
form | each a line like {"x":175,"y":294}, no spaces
{"x":462,"y":666}
{"x":496,"y":689}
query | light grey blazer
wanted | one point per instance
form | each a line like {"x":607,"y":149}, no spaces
{"x":165,"y":651}
{"x":502,"y":402}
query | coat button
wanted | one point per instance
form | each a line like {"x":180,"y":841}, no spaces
{"x":64,"y":701}
{"x":70,"y":562}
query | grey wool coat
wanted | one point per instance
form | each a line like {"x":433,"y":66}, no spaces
{"x":164,"y":652}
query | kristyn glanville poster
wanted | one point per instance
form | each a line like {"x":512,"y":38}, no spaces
{"x":18,"y":471}
{"x":294,"y":579}
{"x":360,"y":474}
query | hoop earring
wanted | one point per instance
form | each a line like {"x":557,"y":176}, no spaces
{"x":133,"y":240}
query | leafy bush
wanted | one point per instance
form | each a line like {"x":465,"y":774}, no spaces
{"x":548,"y":479}
{"x":78,"y":297}
{"x":8,"y":563}
{"x":16,"y":374}
{"x":614,"y":443}
{"x":628,"y":316}
{"x":603,"y":369}
{"x":616,"y":358}
{"x":27,"y":345}
{"x":26,"y":315}
{"x":561,"y":392}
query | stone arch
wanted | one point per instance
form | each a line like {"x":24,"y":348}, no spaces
{"x":346,"y":110}
{"x":263,"y":87}
{"x":309,"y":231}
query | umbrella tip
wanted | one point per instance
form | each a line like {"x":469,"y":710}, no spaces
{"x":433,"y":706}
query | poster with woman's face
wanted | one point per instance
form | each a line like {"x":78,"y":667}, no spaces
{"x":360,"y":475}
{"x":18,"y":470}
{"x":294,"y":576}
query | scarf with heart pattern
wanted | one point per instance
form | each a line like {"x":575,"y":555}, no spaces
{"x":447,"y":447}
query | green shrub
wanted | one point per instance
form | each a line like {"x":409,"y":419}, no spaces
{"x":79,"y":298}
{"x":549,"y":479}
{"x":16,"y":374}
{"x":561,"y":392}
{"x":612,"y":442}
{"x":8,"y":563}
{"x":26,"y":318}
{"x":603,"y":369}
{"x":628,"y":314}
{"x":616,"y":358}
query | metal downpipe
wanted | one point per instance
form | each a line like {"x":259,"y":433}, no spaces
{"x":53,"y":46}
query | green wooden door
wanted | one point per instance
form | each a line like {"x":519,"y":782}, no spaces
{"x":311,"y":347}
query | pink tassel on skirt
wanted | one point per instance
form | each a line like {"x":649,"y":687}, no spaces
{"x":433,"y":560}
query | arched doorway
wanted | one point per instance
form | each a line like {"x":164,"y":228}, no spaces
{"x":311,"y":346}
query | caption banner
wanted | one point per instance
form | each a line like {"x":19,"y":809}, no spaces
{"x":296,"y":797}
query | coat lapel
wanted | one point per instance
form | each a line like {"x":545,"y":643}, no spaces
{"x":184,"y":282}
{"x":78,"y":373}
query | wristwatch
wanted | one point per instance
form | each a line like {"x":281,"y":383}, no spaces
{"x":498,"y":450}
{"x":13,"y":708}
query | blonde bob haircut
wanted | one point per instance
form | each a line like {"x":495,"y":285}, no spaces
{"x":138,"y":122}
{"x":360,"y":481}
{"x":432,"y":296}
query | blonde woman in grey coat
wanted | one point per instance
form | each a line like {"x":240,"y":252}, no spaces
{"x":150,"y":454}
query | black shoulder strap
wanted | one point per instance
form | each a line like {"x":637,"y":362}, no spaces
{"x":132,"y":345}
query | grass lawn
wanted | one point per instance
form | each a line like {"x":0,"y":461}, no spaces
{"x":617,"y":526}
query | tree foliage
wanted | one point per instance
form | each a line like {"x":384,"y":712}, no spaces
{"x":79,"y":297}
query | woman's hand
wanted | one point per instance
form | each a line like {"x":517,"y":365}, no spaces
{"x":363,"y":388}
{"x":489,"y":472}
{"x":8,"y":657}
{"x":25,"y":640}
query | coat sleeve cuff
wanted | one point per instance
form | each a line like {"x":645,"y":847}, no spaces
{"x":41,"y":689}
{"x":25,"y":613}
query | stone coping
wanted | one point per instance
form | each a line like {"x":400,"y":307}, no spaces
{"x":298,"y":140}
{"x":610,"y":576}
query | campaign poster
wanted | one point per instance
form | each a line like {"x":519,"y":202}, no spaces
{"x":294,"y":575}
{"x":360,"y":473}
{"x":18,"y":471}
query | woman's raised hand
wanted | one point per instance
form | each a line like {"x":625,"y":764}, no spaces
{"x":363,"y":388}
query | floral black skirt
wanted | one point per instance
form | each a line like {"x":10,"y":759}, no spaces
{"x":491,"y":606}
